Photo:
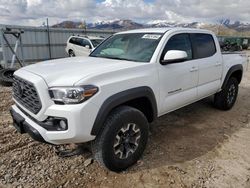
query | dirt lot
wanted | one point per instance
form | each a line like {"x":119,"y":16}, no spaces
{"x":197,"y":146}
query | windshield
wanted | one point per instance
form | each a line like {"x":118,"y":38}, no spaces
{"x":131,"y":46}
{"x":96,"y":42}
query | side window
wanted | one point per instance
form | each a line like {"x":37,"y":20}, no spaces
{"x":83,"y":42}
{"x":204,"y":45}
{"x":78,"y":41}
{"x":179,"y":42}
{"x":72,"y":40}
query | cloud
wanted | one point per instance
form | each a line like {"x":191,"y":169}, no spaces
{"x":15,"y":7}
{"x":34,"y":12}
{"x":125,"y":9}
{"x":208,"y":9}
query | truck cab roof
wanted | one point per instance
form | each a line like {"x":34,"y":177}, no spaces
{"x":164,"y":30}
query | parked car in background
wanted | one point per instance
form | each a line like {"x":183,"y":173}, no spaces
{"x":81,"y":45}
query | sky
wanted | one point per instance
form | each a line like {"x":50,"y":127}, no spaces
{"x":35,"y":12}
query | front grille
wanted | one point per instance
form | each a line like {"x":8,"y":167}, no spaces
{"x":25,"y":93}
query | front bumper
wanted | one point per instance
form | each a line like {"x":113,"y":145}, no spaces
{"x":80,"y":122}
{"x":80,"y":117}
{"x":23,"y":127}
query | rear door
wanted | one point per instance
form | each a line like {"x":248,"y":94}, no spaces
{"x":78,"y":46}
{"x":72,"y":44}
{"x":209,"y":61}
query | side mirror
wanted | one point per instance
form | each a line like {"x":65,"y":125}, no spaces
{"x":174,"y":56}
{"x":88,"y":46}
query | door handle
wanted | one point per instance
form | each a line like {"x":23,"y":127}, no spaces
{"x":194,"y":69}
{"x":218,"y":64}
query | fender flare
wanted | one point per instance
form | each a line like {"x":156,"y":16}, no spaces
{"x":230,"y":72}
{"x":119,"y":98}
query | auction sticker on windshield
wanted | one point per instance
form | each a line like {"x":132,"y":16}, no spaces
{"x":151,"y":36}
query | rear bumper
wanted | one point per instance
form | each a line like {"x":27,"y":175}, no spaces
{"x":23,"y":127}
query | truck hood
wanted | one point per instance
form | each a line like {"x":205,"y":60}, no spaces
{"x":67,"y":71}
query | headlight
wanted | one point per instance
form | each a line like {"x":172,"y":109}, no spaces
{"x":72,"y":95}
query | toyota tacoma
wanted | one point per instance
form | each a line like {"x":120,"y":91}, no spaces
{"x":110,"y":97}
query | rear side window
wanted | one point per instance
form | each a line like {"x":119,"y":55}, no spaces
{"x":204,"y":45}
{"x":179,"y":42}
{"x":79,"y":41}
{"x":72,"y":40}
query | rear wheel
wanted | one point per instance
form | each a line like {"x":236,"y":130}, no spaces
{"x":71,"y":53}
{"x":226,"y":98}
{"x":123,"y":139}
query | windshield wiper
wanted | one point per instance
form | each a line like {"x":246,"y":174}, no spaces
{"x":118,"y":58}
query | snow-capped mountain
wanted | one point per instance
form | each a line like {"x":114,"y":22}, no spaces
{"x":163,"y":23}
{"x":118,"y":24}
{"x":115,"y":24}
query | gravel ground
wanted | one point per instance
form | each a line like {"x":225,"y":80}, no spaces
{"x":196,"y":146}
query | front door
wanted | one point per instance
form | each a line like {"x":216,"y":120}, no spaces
{"x":83,"y":49}
{"x":178,"y":81}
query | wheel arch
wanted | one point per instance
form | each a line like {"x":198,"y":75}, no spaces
{"x":235,"y":71}
{"x":141,"y":98}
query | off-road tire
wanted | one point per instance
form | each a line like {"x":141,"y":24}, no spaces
{"x":225,"y":99}
{"x":103,"y":147}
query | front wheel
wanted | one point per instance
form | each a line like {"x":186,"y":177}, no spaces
{"x":123,"y":139}
{"x":226,"y":98}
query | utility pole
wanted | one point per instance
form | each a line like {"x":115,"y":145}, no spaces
{"x":49,"y":45}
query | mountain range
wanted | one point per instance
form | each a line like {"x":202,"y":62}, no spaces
{"x":130,"y":24}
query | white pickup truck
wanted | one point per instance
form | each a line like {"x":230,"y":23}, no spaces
{"x":110,"y":97}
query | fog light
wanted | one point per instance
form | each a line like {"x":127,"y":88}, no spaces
{"x":54,"y":124}
{"x":63,"y":125}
